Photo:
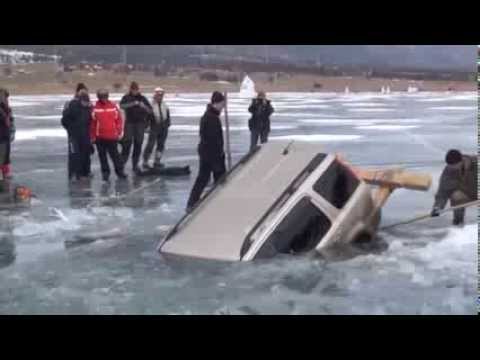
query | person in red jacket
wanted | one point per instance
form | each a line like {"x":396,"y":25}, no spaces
{"x":106,"y":130}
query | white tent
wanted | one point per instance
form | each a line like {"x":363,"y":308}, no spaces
{"x":247,"y":88}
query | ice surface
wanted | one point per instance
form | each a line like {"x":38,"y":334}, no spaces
{"x":364,"y":104}
{"x":371,"y":109}
{"x":318,"y":138}
{"x":195,"y":128}
{"x":466,"y":108}
{"x":39,"y":117}
{"x":40,"y":133}
{"x":426,"y":268}
{"x":386,"y":127}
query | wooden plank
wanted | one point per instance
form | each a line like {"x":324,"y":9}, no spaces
{"x":396,"y":179}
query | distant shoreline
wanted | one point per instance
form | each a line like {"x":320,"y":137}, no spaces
{"x":43,"y":79}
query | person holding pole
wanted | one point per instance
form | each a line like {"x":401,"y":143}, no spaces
{"x":210,"y":148}
{"x":227,"y":134}
{"x":458,"y":183}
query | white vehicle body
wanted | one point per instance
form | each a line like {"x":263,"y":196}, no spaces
{"x":283,"y":198}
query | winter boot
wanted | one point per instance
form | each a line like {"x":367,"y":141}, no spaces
{"x":158,"y":157}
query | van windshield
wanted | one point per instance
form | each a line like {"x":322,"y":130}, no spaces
{"x":300,"y":231}
{"x":336,"y":185}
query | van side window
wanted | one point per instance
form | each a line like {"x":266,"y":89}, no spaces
{"x":336,"y":185}
{"x":300,"y":231}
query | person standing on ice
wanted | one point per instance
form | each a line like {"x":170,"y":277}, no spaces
{"x":7,"y":134}
{"x":159,"y":124}
{"x":458,"y":183}
{"x":259,"y":124}
{"x":137,"y":111}
{"x":210,"y":148}
{"x":105,"y":132}
{"x":76,"y":119}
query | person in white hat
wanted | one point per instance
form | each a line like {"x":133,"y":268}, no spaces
{"x":160,"y":122}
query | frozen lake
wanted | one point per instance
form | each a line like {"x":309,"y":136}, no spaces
{"x":428,"y":267}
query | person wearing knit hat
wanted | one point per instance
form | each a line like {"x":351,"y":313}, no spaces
{"x":80,"y":87}
{"x":76,"y":120}
{"x":453,"y":157}
{"x":138,"y":111}
{"x":217,"y":98}
{"x":458,"y":184}
{"x":210,"y":149}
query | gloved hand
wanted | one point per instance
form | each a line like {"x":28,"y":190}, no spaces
{"x":435,"y":212}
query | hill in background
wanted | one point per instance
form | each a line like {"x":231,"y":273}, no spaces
{"x":425,"y":57}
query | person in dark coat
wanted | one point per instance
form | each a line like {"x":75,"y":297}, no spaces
{"x":259,"y":124}
{"x":7,"y":134}
{"x":210,"y":149}
{"x":458,"y":183}
{"x":137,"y":112}
{"x":159,"y":124}
{"x":76,"y":119}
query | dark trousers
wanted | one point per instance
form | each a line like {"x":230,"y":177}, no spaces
{"x":255,"y":135}
{"x":158,"y":136}
{"x":7,"y":154}
{"x":109,"y":147}
{"x":204,"y":174}
{"x":459,"y":198}
{"x":3,"y":153}
{"x":5,"y":159}
{"x":79,"y":161}
{"x":134,"y":134}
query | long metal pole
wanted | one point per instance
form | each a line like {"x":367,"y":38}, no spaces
{"x":227,"y":134}
{"x":428,"y":216}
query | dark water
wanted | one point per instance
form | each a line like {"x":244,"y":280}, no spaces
{"x":427,"y":268}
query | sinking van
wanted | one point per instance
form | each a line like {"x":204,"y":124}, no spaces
{"x":283,"y":198}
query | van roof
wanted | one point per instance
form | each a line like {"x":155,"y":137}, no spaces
{"x":219,"y":225}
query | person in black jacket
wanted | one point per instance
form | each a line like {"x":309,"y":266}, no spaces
{"x":210,"y":149}
{"x":76,"y":119}
{"x":137,"y":111}
{"x":7,"y":133}
{"x":458,"y":183}
{"x":259,"y":124}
